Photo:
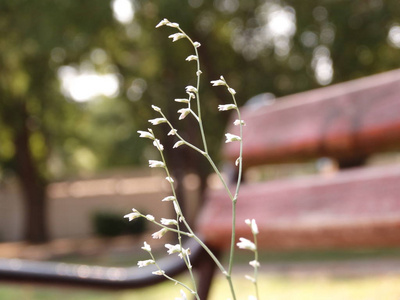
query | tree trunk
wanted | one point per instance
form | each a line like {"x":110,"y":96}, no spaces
{"x":33,"y":186}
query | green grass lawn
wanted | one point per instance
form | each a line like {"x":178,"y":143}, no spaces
{"x":271,"y":287}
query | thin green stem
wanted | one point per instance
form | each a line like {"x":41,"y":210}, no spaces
{"x":194,"y":292}
{"x":198,"y":73}
{"x":256,"y":267}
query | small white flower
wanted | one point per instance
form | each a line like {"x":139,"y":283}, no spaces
{"x":239,"y":122}
{"x":150,"y":217}
{"x":199,"y":72}
{"x":232,"y":91}
{"x":254,"y":264}
{"x":158,"y":272}
{"x":177,"y":144}
{"x":218,"y":82}
{"x":156,"y":108}
{"x":196,"y":44}
{"x":191,"y":95}
{"x":226,"y":107}
{"x":191,"y":88}
{"x":157,"y":121}
{"x":253,"y":225}
{"x":246,"y":244}
{"x":177,"y":208}
{"x":169,"y":179}
{"x":174,"y":25}
{"x":237,"y":162}
{"x":162,"y":23}
{"x":158,"y":145}
{"x":145,"y":134}
{"x":156,"y":164}
{"x":177,"y":36}
{"x":144,"y":263}
{"x":250,"y":278}
{"x":169,"y":198}
{"x":173,"y":248}
{"x":159,"y":234}
{"x":181,"y":100}
{"x":172,"y":132}
{"x":184,"y":112}
{"x":185,"y":252}
{"x":146,"y":247}
{"x":231,"y":138}
{"x":168,"y":222}
{"x":192,"y":57}
{"x":133,"y":215}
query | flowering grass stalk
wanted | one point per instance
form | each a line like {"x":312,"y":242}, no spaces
{"x":174,"y":225}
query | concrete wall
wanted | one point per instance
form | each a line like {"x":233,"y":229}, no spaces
{"x":73,"y":203}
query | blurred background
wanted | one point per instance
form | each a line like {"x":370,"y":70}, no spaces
{"x":78,"y":78}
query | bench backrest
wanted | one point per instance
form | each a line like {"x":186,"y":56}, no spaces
{"x":345,"y":121}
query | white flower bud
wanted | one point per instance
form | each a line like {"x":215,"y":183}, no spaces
{"x":177,"y":144}
{"x":191,"y":95}
{"x":144,"y":263}
{"x":232,"y":91}
{"x":156,"y":108}
{"x":226,"y":107}
{"x":159,"y":234}
{"x":237,"y":162}
{"x":177,"y":208}
{"x":177,"y":36}
{"x":169,"y":179}
{"x":182,"y":100}
{"x":246,"y":244}
{"x":218,"y":82}
{"x":172,"y":132}
{"x":191,"y":88}
{"x":239,"y":122}
{"x":254,"y":264}
{"x":173,"y":248}
{"x":157,"y":121}
{"x":250,"y":278}
{"x":199,"y":72}
{"x":158,"y":145}
{"x":156,"y":164}
{"x":196,"y":44}
{"x":158,"y":272}
{"x":253,"y":225}
{"x":133,"y":215}
{"x":173,"y":25}
{"x":146,"y":247}
{"x":150,"y":217}
{"x":168,"y":222}
{"x":162,"y":23}
{"x":191,"y":57}
{"x":231,"y":138}
{"x":184,"y":112}
{"x":169,"y":198}
{"x":145,"y":134}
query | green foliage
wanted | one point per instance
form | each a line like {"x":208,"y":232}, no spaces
{"x":109,"y":224}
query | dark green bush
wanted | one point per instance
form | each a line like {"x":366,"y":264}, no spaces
{"x":113,"y":224}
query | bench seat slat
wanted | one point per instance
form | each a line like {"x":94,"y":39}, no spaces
{"x":354,"y":118}
{"x":354,"y":208}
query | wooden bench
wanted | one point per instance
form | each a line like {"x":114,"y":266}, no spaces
{"x":356,"y":207}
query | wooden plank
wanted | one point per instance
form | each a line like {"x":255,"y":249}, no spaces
{"x":354,"y":208}
{"x":354,"y":118}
